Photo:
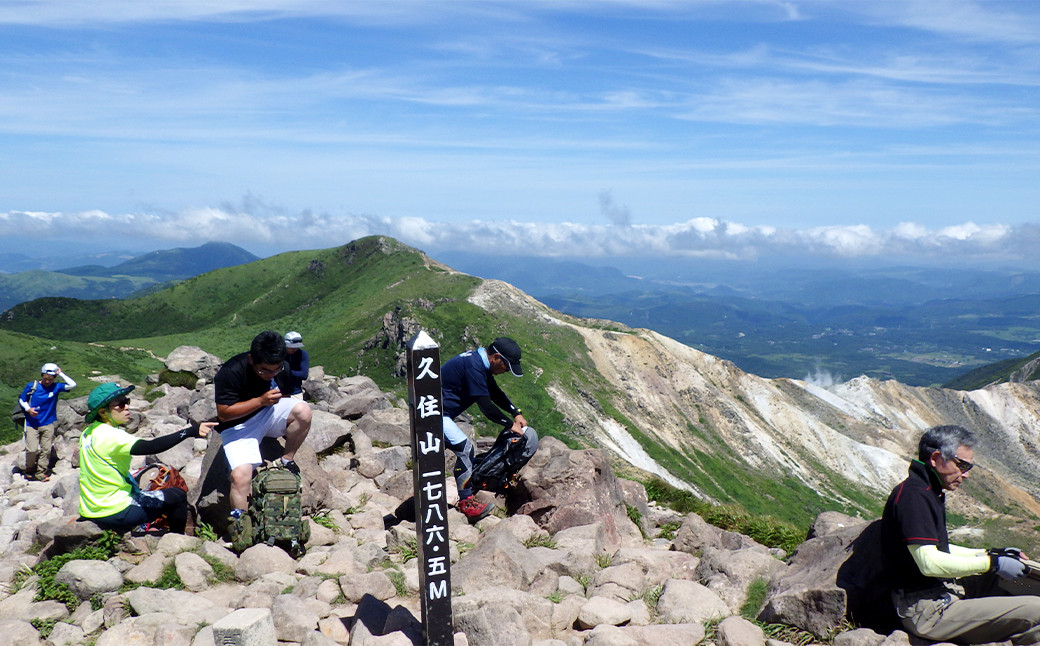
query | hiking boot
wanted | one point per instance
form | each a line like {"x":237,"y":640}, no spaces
{"x":241,"y":532}
{"x":474,"y":509}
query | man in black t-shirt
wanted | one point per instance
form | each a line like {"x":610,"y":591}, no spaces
{"x":942,"y":591}
{"x":252,"y":396}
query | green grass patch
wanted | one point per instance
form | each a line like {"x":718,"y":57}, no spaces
{"x":767,"y":530}
{"x":325,"y":520}
{"x":47,"y":588}
{"x":540,"y":540}
{"x":756,"y":598}
{"x":397,"y":578}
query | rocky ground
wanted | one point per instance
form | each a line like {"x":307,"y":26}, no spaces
{"x":577,"y":557}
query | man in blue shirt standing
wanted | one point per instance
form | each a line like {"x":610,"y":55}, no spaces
{"x":468,"y":379}
{"x":39,"y":400}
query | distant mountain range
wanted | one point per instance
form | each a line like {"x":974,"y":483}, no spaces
{"x":126,"y":278}
{"x":783,"y":447}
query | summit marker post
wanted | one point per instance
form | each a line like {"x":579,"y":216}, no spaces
{"x":431,"y":503}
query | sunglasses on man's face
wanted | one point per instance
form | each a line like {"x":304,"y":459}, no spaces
{"x":122,"y":402}
{"x":963,"y":465}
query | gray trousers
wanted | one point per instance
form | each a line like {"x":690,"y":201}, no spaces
{"x":977,"y":612}
{"x":38,"y":443}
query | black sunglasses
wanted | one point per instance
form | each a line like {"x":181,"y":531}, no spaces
{"x":963,"y":465}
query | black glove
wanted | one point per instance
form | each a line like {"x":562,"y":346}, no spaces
{"x":1012,"y":552}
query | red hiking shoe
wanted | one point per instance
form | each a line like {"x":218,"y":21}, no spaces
{"x":474,"y":509}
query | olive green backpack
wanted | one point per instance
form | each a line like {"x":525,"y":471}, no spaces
{"x":276,"y":508}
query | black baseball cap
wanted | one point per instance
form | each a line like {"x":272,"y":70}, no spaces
{"x":510,"y":351}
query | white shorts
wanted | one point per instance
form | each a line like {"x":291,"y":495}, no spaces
{"x":242,"y":441}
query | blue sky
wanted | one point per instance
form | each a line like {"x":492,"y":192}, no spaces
{"x":735,"y":129}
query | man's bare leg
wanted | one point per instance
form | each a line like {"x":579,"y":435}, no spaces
{"x":296,"y":429}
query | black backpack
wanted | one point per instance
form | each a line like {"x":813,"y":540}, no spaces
{"x":496,"y":469}
{"x":18,"y":413}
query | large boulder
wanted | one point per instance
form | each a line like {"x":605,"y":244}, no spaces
{"x":835,"y":575}
{"x":193,"y":359}
{"x":566,"y":488}
{"x":328,"y":432}
{"x":387,"y":426}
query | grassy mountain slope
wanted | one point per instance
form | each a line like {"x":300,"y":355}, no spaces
{"x":1000,"y":372}
{"x":27,"y":285}
{"x":354,"y":306}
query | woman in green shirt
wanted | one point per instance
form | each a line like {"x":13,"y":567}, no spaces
{"x":107,"y":495}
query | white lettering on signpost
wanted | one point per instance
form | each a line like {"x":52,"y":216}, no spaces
{"x":424,"y":369}
{"x":437,"y":565}
{"x":428,"y":406}
{"x":430,"y":445}
{"x":433,"y":490}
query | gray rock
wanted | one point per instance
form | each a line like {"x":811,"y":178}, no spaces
{"x":63,"y":634}
{"x":189,"y":358}
{"x":193,"y":570}
{"x":293,"y":618}
{"x":246,"y":627}
{"x":830,"y":577}
{"x":573,"y":488}
{"x":737,"y":631}
{"x":171,"y":544}
{"x":489,"y":625}
{"x":730,"y":572}
{"x":263,"y":559}
{"x":356,"y":405}
{"x":376,"y":584}
{"x":619,"y":582}
{"x":328,"y":431}
{"x":695,"y":535}
{"x":86,"y":578}
{"x":603,"y":610}
{"x":687,"y":601}
{"x":20,"y":632}
{"x":188,"y":608}
{"x":498,"y":560}
{"x":858,"y":637}
{"x":388,"y":426}
{"x":148,"y":570}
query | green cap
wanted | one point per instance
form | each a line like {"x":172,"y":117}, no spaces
{"x":102,"y":396}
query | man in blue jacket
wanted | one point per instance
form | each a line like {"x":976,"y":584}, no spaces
{"x":468,"y":379}
{"x":299,"y":364}
{"x":39,"y":400}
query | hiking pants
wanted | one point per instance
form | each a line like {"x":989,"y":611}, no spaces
{"x":38,"y":443}
{"x":982,"y":614}
{"x":464,"y":451}
{"x":171,"y":502}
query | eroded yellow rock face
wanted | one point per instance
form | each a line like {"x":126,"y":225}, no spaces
{"x":864,"y":428}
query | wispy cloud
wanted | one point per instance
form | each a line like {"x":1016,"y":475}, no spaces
{"x":793,"y":112}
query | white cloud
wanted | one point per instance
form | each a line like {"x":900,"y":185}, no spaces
{"x":257,"y":223}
